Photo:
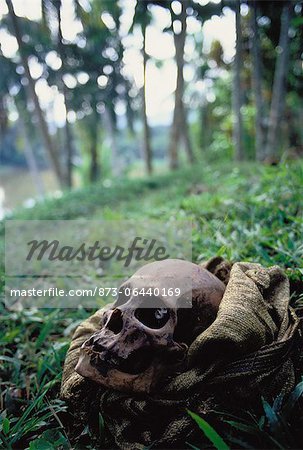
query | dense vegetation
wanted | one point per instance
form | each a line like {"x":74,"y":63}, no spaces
{"x":233,"y":146}
{"x":223,"y":106}
{"x":243,"y":212}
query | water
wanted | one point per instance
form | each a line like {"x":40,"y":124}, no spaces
{"x":17,"y":188}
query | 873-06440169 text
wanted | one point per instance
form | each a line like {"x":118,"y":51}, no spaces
{"x":95,"y":291}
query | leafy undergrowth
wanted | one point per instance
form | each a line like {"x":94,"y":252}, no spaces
{"x":241,"y":213}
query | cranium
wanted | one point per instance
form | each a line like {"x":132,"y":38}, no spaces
{"x":144,"y":337}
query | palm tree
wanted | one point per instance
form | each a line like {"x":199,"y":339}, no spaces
{"x":279,"y":87}
{"x":96,"y":97}
{"x":49,"y":145}
{"x":179,"y":128}
{"x":237,"y":88}
{"x":69,"y":140}
{"x":257,"y":84}
{"x":142,"y":17}
{"x":8,"y":78}
{"x":146,"y":141}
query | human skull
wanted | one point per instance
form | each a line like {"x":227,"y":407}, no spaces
{"x":145,"y":334}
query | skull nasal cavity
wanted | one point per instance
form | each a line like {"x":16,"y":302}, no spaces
{"x":115,"y":323}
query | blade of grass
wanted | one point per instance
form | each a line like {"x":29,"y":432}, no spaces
{"x":209,"y":432}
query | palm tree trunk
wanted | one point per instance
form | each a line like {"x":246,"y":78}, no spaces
{"x":257,"y":86}
{"x":3,"y":117}
{"x":115,"y":163}
{"x":175,"y":137}
{"x":51,"y":150}
{"x":237,"y":89}
{"x":279,"y":88}
{"x":179,"y":126}
{"x":94,"y":170}
{"x":69,"y":141}
{"x":129,"y":115}
{"x":32,"y":162}
{"x":186,"y":137}
{"x":147,"y":152}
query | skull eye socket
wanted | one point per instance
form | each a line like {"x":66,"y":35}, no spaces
{"x":152,"y":317}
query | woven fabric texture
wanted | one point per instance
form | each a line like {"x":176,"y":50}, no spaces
{"x":246,"y":353}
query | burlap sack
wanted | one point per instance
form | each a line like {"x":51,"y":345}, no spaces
{"x":246,"y":353}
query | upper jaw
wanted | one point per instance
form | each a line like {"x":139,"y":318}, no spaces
{"x":139,"y":372}
{"x":137,"y":361}
{"x":114,"y":378}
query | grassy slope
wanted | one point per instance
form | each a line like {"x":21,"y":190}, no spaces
{"x":248,"y":212}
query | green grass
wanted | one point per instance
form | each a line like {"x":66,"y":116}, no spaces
{"x":247,"y":212}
